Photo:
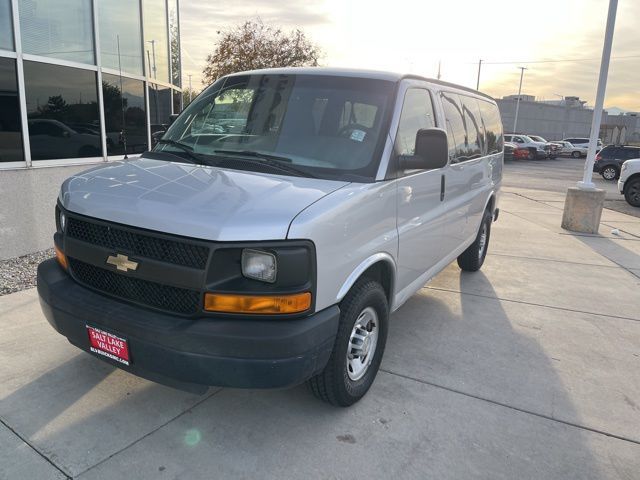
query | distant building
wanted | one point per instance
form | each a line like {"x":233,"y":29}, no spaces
{"x":568,"y":117}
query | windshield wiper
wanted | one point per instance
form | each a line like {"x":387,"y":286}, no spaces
{"x":255,"y":153}
{"x":188,"y":149}
{"x":275,"y":161}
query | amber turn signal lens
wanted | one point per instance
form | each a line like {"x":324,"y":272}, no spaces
{"x":261,"y":304}
{"x":61,"y":257}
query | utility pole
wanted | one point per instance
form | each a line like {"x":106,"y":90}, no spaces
{"x":153,"y":50}
{"x":190,"y":89}
{"x":439,"y":62}
{"x":515,"y":119}
{"x":478,"y":81}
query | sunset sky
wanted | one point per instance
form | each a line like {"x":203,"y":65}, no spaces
{"x":559,"y":41}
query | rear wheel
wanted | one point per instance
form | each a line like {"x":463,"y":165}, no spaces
{"x":609,"y":172}
{"x":358,"y":348}
{"x":575,"y":154}
{"x":531,"y":155}
{"x":473,"y":257}
{"x":632,"y":192}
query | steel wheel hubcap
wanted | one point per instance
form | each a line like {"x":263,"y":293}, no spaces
{"x":482,"y":241}
{"x":362,"y":343}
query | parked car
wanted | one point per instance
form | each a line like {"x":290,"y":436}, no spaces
{"x":509,"y":149}
{"x":582,"y":142}
{"x":536,"y":149}
{"x":575,"y":151}
{"x":609,"y":161}
{"x":552,"y":148}
{"x":629,"y":182}
{"x":275,"y":256}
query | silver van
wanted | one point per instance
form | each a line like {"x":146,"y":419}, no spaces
{"x":279,"y":221}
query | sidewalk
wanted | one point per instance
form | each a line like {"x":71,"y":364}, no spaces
{"x":527,"y":369}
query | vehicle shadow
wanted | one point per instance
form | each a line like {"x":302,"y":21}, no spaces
{"x":84,"y":410}
{"x":472,"y":346}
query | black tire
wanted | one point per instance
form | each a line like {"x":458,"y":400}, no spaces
{"x":632,"y":192}
{"x":609,"y":173}
{"x":473,"y":257}
{"x":333,"y":384}
{"x":576,"y":154}
{"x":531,"y":155}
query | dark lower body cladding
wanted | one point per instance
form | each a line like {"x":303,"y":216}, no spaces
{"x":179,"y":351}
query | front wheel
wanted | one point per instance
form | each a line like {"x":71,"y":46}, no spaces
{"x":632,"y":192}
{"x":473,"y":257}
{"x":358,"y":348}
{"x":609,"y":173}
{"x":576,"y":154}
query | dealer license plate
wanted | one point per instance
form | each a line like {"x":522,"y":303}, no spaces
{"x":108,"y":345}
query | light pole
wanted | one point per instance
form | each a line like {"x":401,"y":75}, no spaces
{"x":478,"y":81}
{"x":515,"y":118}
{"x":586,"y":182}
{"x":190,"y":89}
{"x":584,"y":203}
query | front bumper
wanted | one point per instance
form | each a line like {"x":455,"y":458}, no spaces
{"x":238,"y":352}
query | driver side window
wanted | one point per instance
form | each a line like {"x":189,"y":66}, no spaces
{"x":417,"y":113}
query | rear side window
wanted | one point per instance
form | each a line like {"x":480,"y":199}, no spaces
{"x":417,"y":113}
{"x":629,"y":153}
{"x":492,"y":125}
{"x":456,"y":132}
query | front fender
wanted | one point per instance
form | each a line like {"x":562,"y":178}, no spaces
{"x":363,"y":267}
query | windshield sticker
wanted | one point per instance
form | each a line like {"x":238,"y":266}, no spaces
{"x":358,"y":135}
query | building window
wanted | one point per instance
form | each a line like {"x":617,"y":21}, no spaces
{"x":62,"y":112}
{"x":6,"y":30}
{"x":156,"y":46}
{"x":174,"y":41}
{"x":159,"y":110}
{"x":58,"y":28}
{"x":120,"y":23}
{"x":124,"y":105}
{"x":10,"y":136}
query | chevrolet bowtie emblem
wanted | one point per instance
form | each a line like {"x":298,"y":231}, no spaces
{"x":122,"y":262}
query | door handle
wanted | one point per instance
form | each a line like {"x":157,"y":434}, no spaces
{"x":442,"y":188}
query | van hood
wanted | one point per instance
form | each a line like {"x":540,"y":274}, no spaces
{"x":193,"y":200}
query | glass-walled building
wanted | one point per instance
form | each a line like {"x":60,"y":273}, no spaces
{"x":83,"y":81}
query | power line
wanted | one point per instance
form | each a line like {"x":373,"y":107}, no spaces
{"x":558,"y":61}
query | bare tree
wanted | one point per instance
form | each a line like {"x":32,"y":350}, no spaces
{"x":253,"y":45}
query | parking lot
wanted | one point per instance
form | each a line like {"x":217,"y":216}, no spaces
{"x":557,"y":174}
{"x":526,"y":369}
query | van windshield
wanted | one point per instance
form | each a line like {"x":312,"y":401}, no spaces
{"x":320,"y":126}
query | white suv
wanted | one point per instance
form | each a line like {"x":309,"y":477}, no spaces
{"x":629,"y":182}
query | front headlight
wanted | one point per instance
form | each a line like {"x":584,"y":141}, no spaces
{"x":259,"y":265}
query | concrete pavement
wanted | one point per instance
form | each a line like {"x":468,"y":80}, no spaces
{"x":527,"y":369}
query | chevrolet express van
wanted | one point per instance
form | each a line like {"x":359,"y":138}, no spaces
{"x":279,"y":221}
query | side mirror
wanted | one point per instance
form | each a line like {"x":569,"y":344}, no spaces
{"x":172,"y":118}
{"x":431,"y":152}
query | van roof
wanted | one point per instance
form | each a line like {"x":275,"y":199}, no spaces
{"x":358,"y":73}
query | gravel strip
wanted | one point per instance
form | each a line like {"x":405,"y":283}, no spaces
{"x":20,"y":273}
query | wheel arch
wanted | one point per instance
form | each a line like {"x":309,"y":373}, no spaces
{"x":380,"y":267}
{"x":631,"y":178}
